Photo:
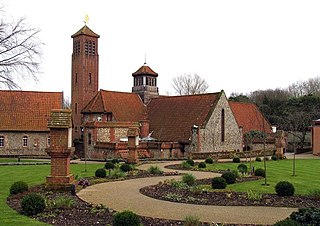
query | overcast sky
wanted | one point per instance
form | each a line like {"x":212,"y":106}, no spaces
{"x":235,"y":45}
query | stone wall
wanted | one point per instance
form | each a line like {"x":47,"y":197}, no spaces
{"x":13,"y":143}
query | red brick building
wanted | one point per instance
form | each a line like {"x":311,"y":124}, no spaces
{"x":24,"y":119}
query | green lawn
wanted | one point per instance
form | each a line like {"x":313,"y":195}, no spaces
{"x":307,"y":172}
{"x":33,"y":175}
{"x":9,"y":160}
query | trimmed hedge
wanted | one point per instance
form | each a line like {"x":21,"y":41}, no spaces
{"x":284,"y":188}
{"x":18,"y":187}
{"x":33,"y":204}
{"x":126,"y":218}
{"x":100,"y":173}
{"x":218,"y":183}
{"x":230,"y":177}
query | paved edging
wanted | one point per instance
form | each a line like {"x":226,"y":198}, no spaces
{"x":121,"y":195}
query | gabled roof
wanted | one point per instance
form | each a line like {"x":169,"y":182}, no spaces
{"x":145,"y":70}
{"x":85,"y":30}
{"x":249,"y":117}
{"x":171,"y":118}
{"x":27,"y":110}
{"x":126,"y":107}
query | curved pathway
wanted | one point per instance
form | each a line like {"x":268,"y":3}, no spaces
{"x":122,"y":195}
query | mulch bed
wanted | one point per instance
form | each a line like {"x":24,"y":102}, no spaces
{"x":165,"y":191}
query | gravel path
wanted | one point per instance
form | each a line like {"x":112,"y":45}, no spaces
{"x":122,"y":195}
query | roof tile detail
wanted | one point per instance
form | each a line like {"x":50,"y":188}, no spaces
{"x":125,"y":107}
{"x":27,"y":110}
{"x":85,"y":30}
{"x":145,"y":70}
{"x":171,"y":118}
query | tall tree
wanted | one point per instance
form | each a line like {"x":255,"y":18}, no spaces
{"x":188,"y":84}
{"x":20,"y":52}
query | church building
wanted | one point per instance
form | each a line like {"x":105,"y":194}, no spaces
{"x":169,"y":126}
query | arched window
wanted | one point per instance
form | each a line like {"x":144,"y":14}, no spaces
{"x":25,"y":141}
{"x":222,"y":125}
{"x":1,"y":141}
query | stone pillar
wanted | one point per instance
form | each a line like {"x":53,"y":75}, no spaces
{"x":133,"y":142}
{"x":60,"y":125}
{"x":316,"y":137}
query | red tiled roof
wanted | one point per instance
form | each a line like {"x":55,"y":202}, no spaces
{"x":85,"y":30}
{"x":145,"y":70}
{"x":27,"y":110}
{"x":126,"y":107}
{"x":249,"y":117}
{"x":171,"y":118}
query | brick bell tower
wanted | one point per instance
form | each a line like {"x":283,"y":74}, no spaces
{"x":84,"y":75}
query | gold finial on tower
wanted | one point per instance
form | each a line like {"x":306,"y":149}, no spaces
{"x":86,"y":19}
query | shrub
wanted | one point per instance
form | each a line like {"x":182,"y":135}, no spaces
{"x":287,"y":222}
{"x":62,"y":202}
{"x":125,"y":218}
{"x":284,"y":188}
{"x":117,"y":173}
{"x":236,"y":160}
{"x":109,"y":165}
{"x":190,"y":162}
{"x":84,"y":182}
{"x":218,"y":183}
{"x":230,"y":177}
{"x":254,"y":195}
{"x":186,"y":165}
{"x":202,"y":165}
{"x":274,"y":158}
{"x":191,"y":221}
{"x":115,"y":161}
{"x":307,"y":216}
{"x":260,"y":172}
{"x":125,"y":167}
{"x":209,"y":161}
{"x":18,"y":187}
{"x":155,"y":170}
{"x":235,"y":172}
{"x":101,"y":173}
{"x":189,"y":179}
{"x":258,"y":159}
{"x":242,"y":168}
{"x":33,"y":204}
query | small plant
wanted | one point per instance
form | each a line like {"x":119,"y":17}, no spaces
{"x":109,"y":166}
{"x":287,"y":222}
{"x":307,"y":216}
{"x":179,"y":184}
{"x":209,"y":161}
{"x":115,"y":161}
{"x":260,"y":172}
{"x":196,"y":189}
{"x":155,"y":170}
{"x":230,"y":177}
{"x":186,"y":165}
{"x":62,"y":202}
{"x":258,"y":159}
{"x":218,"y":183}
{"x":274,"y":158}
{"x":254,"y":195}
{"x":125,"y":167}
{"x":190,"y":162}
{"x":191,"y":221}
{"x":242,"y":168}
{"x":18,"y":187}
{"x":236,"y":160}
{"x":117,"y":173}
{"x":189,"y":179}
{"x":125,"y":218}
{"x":84,"y":182}
{"x":284,"y":188}
{"x":202,"y":165}
{"x":101,"y":173}
{"x":33,"y":204}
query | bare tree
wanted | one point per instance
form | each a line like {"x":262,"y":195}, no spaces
{"x":188,"y":84}
{"x":302,"y":88}
{"x":66,"y":103}
{"x":20,"y":52}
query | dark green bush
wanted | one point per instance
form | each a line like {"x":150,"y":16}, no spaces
{"x":242,"y":168}
{"x":202,"y":165}
{"x":236,"y":160}
{"x":18,"y":187}
{"x":230,"y":177}
{"x":115,"y":161}
{"x":186,"y":165}
{"x":190,"y":162}
{"x":307,"y":216}
{"x":284,"y":188}
{"x":126,"y":218}
{"x":109,"y":165}
{"x":101,"y":173}
{"x":274,"y":158}
{"x":189,"y":179}
{"x":258,"y":159}
{"x":218,"y":183}
{"x":209,"y":161}
{"x":125,"y":167}
{"x":260,"y":172}
{"x":33,"y":204}
{"x":287,"y":222}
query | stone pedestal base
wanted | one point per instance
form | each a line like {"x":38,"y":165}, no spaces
{"x":59,"y":182}
{"x":133,"y":157}
{"x":279,"y":153}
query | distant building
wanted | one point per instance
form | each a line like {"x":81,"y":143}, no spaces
{"x":23,"y":121}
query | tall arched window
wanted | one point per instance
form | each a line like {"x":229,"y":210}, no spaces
{"x":222,"y":125}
